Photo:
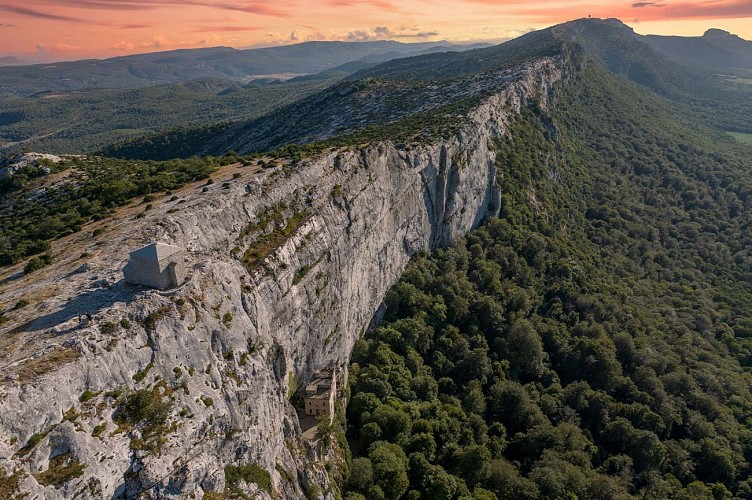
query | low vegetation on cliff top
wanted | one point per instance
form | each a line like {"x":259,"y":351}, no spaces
{"x":35,"y":210}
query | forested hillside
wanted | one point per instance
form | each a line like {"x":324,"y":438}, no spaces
{"x":594,"y":341}
{"x":85,"y":121}
{"x":386,"y":95}
{"x":182,"y":65}
{"x":83,"y":106}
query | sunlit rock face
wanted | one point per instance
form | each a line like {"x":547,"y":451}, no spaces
{"x":286,"y":268}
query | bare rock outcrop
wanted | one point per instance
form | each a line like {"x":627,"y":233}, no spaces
{"x":287,"y":267}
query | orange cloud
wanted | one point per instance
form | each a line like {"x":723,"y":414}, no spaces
{"x":108,"y":27}
{"x":215,"y":29}
{"x":23,"y":11}
{"x":58,"y":47}
{"x":644,"y":11}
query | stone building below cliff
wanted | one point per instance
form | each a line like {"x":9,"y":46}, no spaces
{"x":320,"y":394}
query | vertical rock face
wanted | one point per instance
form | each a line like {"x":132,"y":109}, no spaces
{"x":262,"y":309}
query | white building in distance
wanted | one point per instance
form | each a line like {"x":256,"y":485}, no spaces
{"x":156,"y":265}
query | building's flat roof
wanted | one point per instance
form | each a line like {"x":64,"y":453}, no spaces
{"x":320,"y":395}
{"x":156,"y":251}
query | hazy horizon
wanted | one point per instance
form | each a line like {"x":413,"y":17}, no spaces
{"x":54,"y":30}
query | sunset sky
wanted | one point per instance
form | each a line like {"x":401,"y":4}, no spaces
{"x":74,"y":29}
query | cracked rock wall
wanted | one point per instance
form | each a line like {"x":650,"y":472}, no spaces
{"x":227,"y":346}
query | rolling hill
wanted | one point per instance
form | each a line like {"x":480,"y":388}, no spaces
{"x":190,"y":64}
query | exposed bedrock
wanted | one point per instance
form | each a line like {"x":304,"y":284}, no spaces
{"x":225,"y":348}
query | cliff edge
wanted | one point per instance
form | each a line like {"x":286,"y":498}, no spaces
{"x":171,"y":394}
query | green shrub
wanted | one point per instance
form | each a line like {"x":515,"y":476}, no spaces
{"x":214,"y":495}
{"x":146,"y":410}
{"x":34,"y":440}
{"x":20,"y":304}
{"x":109,"y":327}
{"x":99,"y":429}
{"x":87,"y":395}
{"x":36,"y":263}
{"x":141,"y":374}
{"x":300,"y":274}
{"x":293,"y":384}
{"x":150,"y":322}
{"x":61,"y":470}
{"x":250,"y":473}
{"x":227,"y":319}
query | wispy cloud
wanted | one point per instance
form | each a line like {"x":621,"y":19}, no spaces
{"x":56,"y":47}
{"x":134,"y":26}
{"x":386,"y":33}
{"x":23,"y":11}
{"x":217,"y":29}
{"x":251,"y":7}
{"x":666,"y":10}
{"x":377,"y":4}
{"x":161,"y":42}
{"x":638,"y":5}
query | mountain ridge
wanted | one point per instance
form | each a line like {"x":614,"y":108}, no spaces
{"x":609,"y":42}
{"x":188,"y":64}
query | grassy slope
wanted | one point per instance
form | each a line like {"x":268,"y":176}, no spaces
{"x":741,"y":137}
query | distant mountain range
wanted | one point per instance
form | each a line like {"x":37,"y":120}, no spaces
{"x":63,"y":107}
{"x":189,"y":64}
{"x":186,"y":102}
{"x":12,"y":61}
{"x":715,"y":49}
{"x":400,"y":88}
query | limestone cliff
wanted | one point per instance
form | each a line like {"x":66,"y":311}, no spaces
{"x":287,"y":266}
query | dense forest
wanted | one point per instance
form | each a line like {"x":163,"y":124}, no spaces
{"x":594,"y":341}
